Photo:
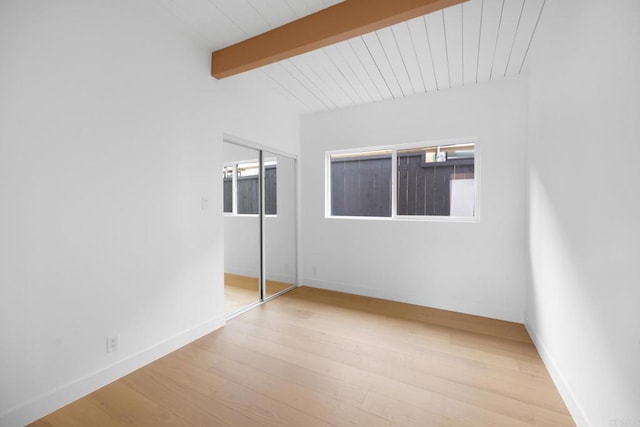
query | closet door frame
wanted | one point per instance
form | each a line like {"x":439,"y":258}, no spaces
{"x":230,"y":139}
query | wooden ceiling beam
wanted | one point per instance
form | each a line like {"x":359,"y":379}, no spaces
{"x":334,"y":24}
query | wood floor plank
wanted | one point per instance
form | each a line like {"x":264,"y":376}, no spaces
{"x":475,"y":416}
{"x":261,"y":409}
{"x":316,"y":357}
{"x":400,"y":412}
{"x":80,"y":413}
{"x":318,"y":404}
{"x":468,"y":322}
{"x":304,"y":377}
{"x":222,"y":413}
{"x":166,"y":394}
{"x":378,"y":325}
{"x":525,"y":387}
{"x":409,"y":385}
{"x":409,"y":345}
{"x":129,"y":407}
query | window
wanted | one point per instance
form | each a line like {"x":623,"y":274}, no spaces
{"x":361,"y":184}
{"x":241,"y":188}
{"x":418,"y":181}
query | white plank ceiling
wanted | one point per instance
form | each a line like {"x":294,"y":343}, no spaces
{"x":470,"y":43}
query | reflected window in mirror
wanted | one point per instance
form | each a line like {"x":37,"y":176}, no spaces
{"x":241,"y":187}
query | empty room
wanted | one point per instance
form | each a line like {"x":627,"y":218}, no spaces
{"x":319,"y":212}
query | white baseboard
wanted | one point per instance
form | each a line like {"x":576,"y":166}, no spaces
{"x":508,"y":314}
{"x":65,"y":394}
{"x":561,"y":384}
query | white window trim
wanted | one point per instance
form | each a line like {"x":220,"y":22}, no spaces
{"x":394,"y":177}
{"x":234,"y":189}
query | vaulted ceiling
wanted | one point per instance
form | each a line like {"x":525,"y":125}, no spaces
{"x":470,"y":43}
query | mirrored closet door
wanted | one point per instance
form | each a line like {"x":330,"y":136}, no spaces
{"x":241,"y":189}
{"x":279,"y":231}
{"x":259,"y":190}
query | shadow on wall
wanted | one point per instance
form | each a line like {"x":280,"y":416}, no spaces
{"x":571,"y":324}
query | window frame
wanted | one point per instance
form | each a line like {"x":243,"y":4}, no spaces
{"x":394,"y":148}
{"x":234,"y":187}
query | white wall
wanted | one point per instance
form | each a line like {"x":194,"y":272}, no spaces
{"x":477,"y":268}
{"x":584,"y":292}
{"x":110,"y":135}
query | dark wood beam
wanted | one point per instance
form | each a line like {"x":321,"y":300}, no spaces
{"x":337,"y":23}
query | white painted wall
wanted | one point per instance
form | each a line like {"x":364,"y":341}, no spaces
{"x":584,"y":236}
{"x":110,"y":135}
{"x":477,"y":268}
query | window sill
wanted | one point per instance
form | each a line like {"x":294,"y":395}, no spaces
{"x":409,"y":218}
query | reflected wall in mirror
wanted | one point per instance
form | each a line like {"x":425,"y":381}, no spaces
{"x":241,"y":192}
{"x":279,"y":223}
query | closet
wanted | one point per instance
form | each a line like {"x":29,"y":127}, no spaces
{"x":260,"y":243}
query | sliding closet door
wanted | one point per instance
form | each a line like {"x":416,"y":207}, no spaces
{"x":241,"y":179}
{"x":279,"y":223}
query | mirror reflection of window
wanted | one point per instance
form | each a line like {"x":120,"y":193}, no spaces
{"x":245,"y":190}
{"x":227,"y":189}
{"x":271,"y":187}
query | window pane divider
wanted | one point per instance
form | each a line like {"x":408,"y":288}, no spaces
{"x":394,"y":183}
{"x":234,"y":190}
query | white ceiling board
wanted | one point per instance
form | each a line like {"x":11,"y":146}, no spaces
{"x":470,"y":17}
{"x":295,"y":87}
{"x":462,"y":45}
{"x":424,"y":58}
{"x":274,"y":12}
{"x":510,"y":22}
{"x":389,"y":43}
{"x":372,"y":71}
{"x":336,"y":85}
{"x":250,"y":24}
{"x":532,"y":11}
{"x":263,"y":76}
{"x":345,"y":58}
{"x":491,"y":13}
{"x":316,"y":5}
{"x":453,"y":26}
{"x":407,"y":49}
{"x":317,"y":80}
{"x":381,"y":63}
{"x":348,"y":77}
{"x":299,"y":8}
{"x":434,"y":27}
{"x":362,"y":73}
{"x":190,"y":18}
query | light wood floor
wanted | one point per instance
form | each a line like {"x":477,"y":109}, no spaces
{"x":240,"y":291}
{"x":315,"y":357}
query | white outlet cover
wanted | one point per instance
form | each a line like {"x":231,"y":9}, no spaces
{"x":113,"y":342}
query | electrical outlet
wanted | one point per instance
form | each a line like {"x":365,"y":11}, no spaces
{"x":113,"y":343}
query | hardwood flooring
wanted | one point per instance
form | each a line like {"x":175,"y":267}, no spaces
{"x":317,"y":358}
{"x":240,"y":291}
